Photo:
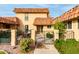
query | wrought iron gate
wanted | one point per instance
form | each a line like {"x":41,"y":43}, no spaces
{"x":5,"y":36}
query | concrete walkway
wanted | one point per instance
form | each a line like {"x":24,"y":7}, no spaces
{"x":49,"y":49}
{"x":9,"y":48}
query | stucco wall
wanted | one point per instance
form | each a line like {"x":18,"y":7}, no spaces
{"x":75,"y":29}
{"x":45,"y":28}
{"x":13,"y":37}
{"x":30,"y":21}
{"x":31,"y":18}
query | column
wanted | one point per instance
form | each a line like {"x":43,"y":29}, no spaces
{"x":13,"y":37}
{"x":56,"y":34}
{"x":33,"y":34}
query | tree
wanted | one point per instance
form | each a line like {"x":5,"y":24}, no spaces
{"x":61,"y":27}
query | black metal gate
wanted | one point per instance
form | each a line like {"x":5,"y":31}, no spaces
{"x":5,"y":36}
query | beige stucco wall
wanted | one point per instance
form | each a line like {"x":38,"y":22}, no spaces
{"x":45,"y":28}
{"x":31,"y":18}
{"x":13,"y":37}
{"x":75,"y":29}
{"x":56,"y":34}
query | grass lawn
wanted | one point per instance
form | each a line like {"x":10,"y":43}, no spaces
{"x":70,"y":46}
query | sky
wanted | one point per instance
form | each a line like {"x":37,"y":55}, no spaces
{"x":54,"y":9}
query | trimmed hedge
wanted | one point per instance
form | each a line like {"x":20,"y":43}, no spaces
{"x":68,"y":46}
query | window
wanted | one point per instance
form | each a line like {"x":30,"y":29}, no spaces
{"x":78,"y":23}
{"x":49,"y":26}
{"x":26,"y":28}
{"x":69,"y":25}
{"x":26,"y":16}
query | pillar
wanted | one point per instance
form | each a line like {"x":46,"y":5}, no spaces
{"x":33,"y":34}
{"x":56,"y":34}
{"x":13,"y":37}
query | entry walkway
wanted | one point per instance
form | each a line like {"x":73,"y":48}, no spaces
{"x":49,"y":49}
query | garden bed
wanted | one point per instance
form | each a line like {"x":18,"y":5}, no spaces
{"x":68,"y":46}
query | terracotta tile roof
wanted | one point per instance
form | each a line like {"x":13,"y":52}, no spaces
{"x":72,"y":13}
{"x":9,"y":20}
{"x":43,"y":21}
{"x":31,"y":10}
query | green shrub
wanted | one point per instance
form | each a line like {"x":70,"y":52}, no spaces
{"x":71,"y":46}
{"x":49,"y":35}
{"x":61,"y":27}
{"x":59,"y":44}
{"x":3,"y":52}
{"x":27,"y":44}
{"x":71,"y":40}
{"x":68,"y":46}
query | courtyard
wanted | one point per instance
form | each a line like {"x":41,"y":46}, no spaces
{"x":48,"y":49}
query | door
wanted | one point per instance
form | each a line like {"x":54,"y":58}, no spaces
{"x":26,"y":28}
{"x":40,"y":28}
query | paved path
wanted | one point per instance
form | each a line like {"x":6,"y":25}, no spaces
{"x":9,"y":49}
{"x":49,"y":49}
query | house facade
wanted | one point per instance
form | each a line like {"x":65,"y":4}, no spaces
{"x":27,"y":20}
{"x":34,"y":19}
{"x":71,"y":19}
{"x":38,"y":20}
{"x":8,"y":26}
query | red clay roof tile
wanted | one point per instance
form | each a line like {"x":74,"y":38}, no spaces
{"x":9,"y":20}
{"x":31,"y":10}
{"x":43,"y":21}
{"x":72,"y":13}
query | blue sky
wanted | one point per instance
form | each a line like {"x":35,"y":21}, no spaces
{"x":55,"y":9}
